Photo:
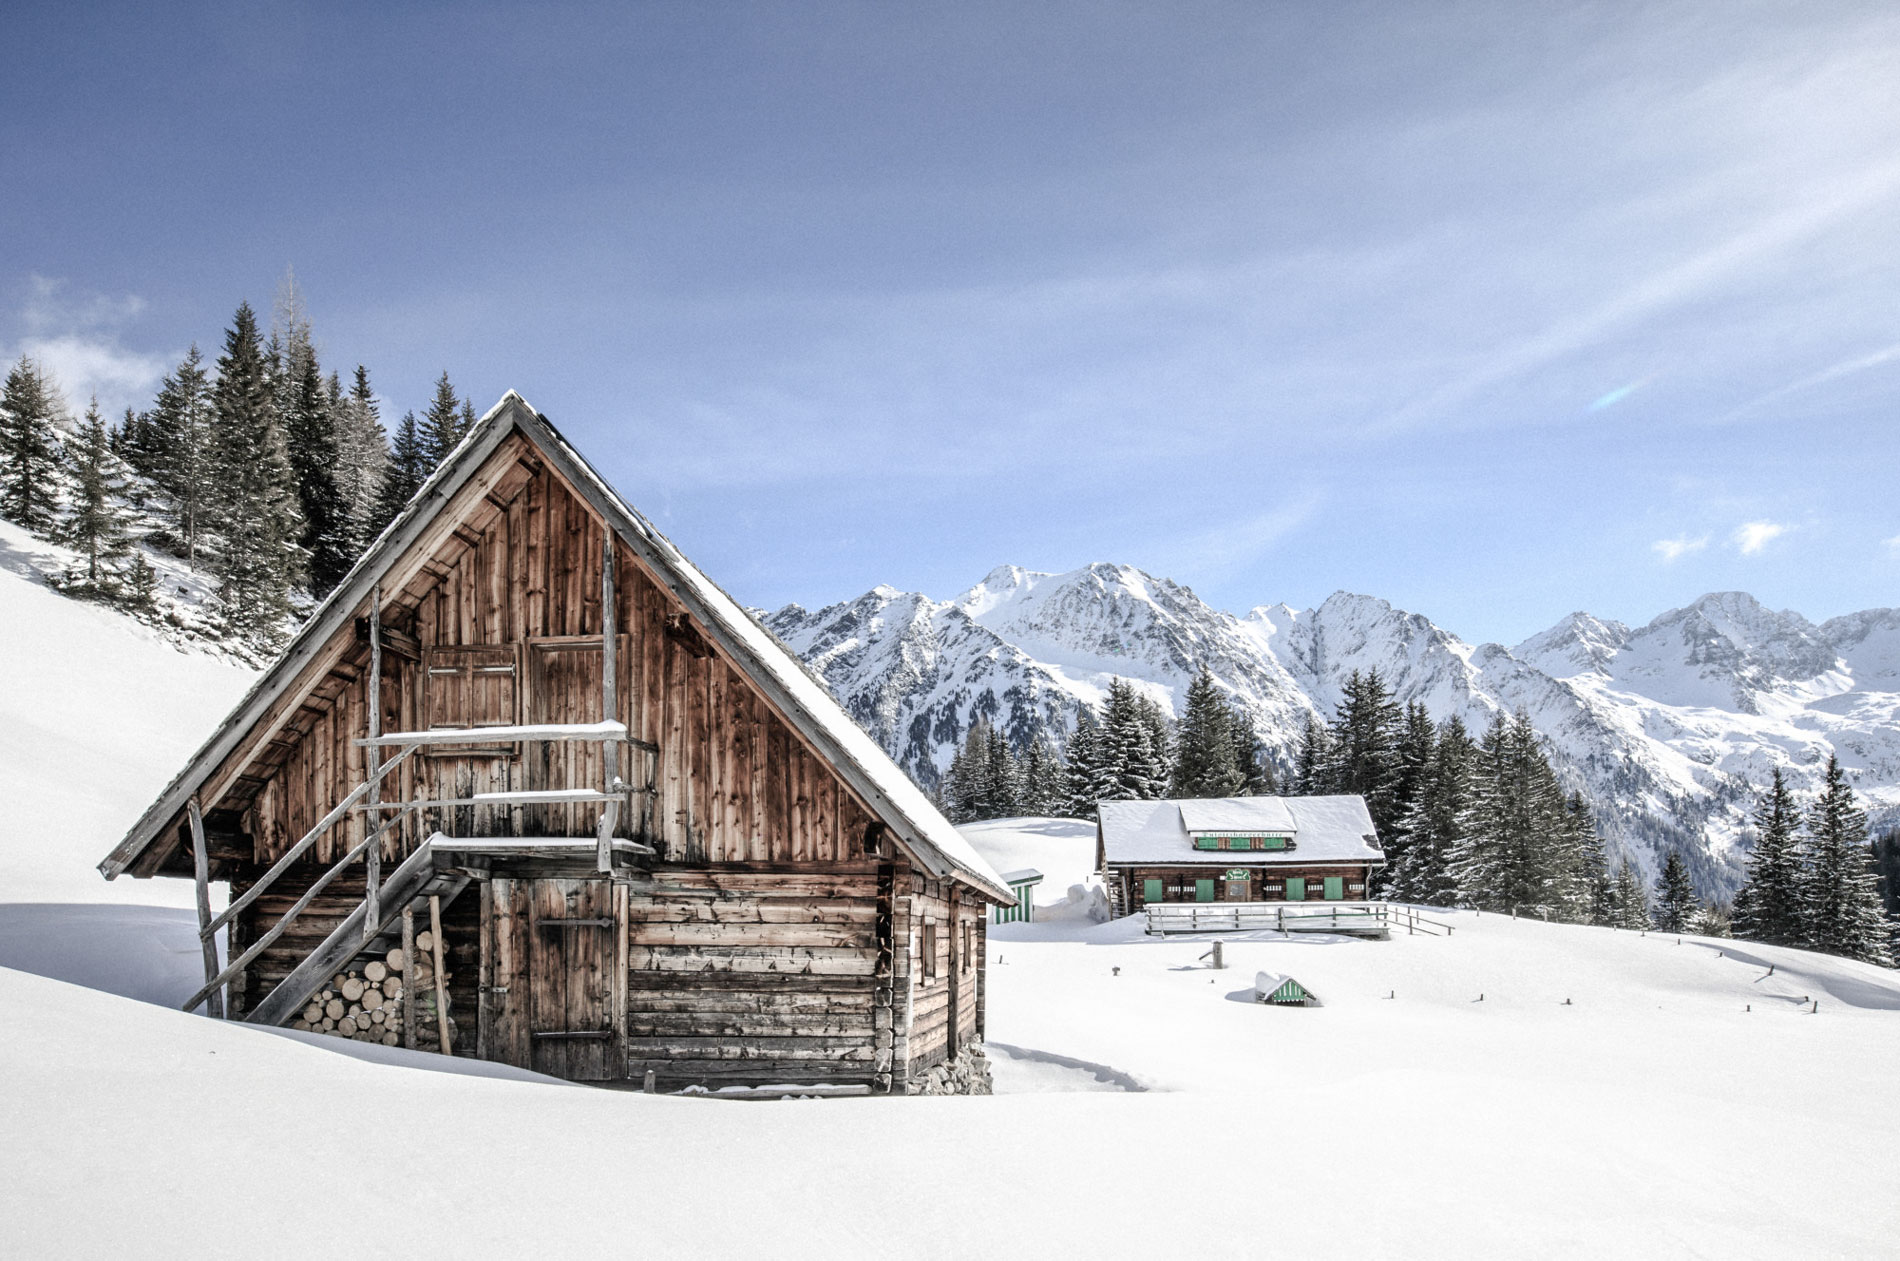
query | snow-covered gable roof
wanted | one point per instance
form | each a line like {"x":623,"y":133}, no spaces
{"x":1027,"y":875}
{"x":917,"y":825}
{"x":1325,"y":829}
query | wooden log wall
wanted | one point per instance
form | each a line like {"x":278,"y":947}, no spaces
{"x":754,"y":975}
{"x":943,"y":962}
{"x":521,"y":572}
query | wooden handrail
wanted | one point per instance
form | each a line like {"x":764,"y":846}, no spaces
{"x":297,"y":908}
{"x":296,"y":851}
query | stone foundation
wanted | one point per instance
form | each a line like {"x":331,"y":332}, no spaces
{"x":968,"y":1074}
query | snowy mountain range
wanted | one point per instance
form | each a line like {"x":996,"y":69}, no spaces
{"x":1669,"y":727}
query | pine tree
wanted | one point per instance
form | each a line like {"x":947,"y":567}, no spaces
{"x":362,"y":453}
{"x":1840,"y":895}
{"x":1675,"y":896}
{"x":1769,"y":907}
{"x":1044,"y":787}
{"x":1518,"y":851}
{"x":96,"y":524}
{"x":441,"y":424}
{"x":408,"y":467}
{"x":304,"y":409}
{"x":254,"y":502}
{"x":29,"y":449}
{"x":1312,"y":759}
{"x":1415,"y":745}
{"x":1631,"y":899}
{"x":1250,"y":755}
{"x":1593,"y":864}
{"x":1002,"y":780}
{"x":1364,"y":758}
{"x":1886,"y":851}
{"x":1438,"y":821}
{"x":963,"y":784}
{"x":1088,"y":770}
{"x":1204,"y":748}
{"x":1137,"y":770}
{"x":178,"y":458}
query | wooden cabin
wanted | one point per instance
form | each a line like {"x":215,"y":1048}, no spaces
{"x":529,"y":787}
{"x":1235,"y":849}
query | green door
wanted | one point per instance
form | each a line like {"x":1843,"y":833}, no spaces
{"x":1203,"y":890}
{"x":1296,"y":888}
{"x":1335,"y":888}
{"x":1151,"y":891}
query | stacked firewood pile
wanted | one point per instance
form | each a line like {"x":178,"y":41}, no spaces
{"x":365,"y":1004}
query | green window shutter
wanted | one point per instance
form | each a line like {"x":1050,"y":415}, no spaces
{"x":1335,"y":888}
{"x":1203,"y":890}
{"x":1206,"y":842}
{"x":1273,"y":842}
{"x":1296,"y":888}
{"x":1151,"y":891}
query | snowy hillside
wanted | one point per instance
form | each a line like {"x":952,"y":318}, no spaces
{"x":1668,"y":727}
{"x":98,"y":714}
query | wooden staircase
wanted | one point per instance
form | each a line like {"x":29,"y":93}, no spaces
{"x":420,"y":877}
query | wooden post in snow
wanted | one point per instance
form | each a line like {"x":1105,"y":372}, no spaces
{"x":409,"y":970}
{"x":609,"y":749}
{"x":441,"y":985}
{"x":201,"y":869}
{"x":373,"y":860}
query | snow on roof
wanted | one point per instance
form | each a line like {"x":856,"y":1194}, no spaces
{"x":1027,"y":875}
{"x":919,"y":827}
{"x":1236,"y":814}
{"x":1325,"y":829}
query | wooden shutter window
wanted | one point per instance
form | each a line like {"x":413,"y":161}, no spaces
{"x":1151,"y":891}
{"x":470,"y":686}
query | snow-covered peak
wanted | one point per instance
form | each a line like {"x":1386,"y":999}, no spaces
{"x":1580,"y":644}
{"x":1730,"y":651}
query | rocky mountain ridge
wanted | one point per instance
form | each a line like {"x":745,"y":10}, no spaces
{"x":1668,"y":727}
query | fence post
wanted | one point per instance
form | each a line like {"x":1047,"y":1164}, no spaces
{"x":201,"y":871}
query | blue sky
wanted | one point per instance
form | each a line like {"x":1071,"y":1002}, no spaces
{"x":1495,"y":310}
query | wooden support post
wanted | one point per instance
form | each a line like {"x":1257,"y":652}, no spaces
{"x":409,"y":977}
{"x":441,"y":983}
{"x":207,"y":936}
{"x":373,"y":860}
{"x":609,"y":749}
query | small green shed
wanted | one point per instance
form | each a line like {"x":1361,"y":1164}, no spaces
{"x":1281,"y":991}
{"x":1023,"y":884}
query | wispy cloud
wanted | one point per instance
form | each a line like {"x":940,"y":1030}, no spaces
{"x":1221,"y":552}
{"x":1893,"y":546}
{"x":1665,"y":289}
{"x":1676,"y":548}
{"x":74,"y":337}
{"x":1752,"y":536}
{"x":1834,"y":372}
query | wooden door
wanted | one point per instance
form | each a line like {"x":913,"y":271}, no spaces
{"x":554,"y":976}
{"x":564,"y":687}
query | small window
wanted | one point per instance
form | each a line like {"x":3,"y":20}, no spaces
{"x":969,"y":934}
{"x":469,"y":686}
{"x":1151,"y":891}
{"x":1207,"y":842}
{"x":930,"y":951}
{"x":1273,"y":842}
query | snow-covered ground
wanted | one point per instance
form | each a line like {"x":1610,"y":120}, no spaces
{"x":1443,"y":1101}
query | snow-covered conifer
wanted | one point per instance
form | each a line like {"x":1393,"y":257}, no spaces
{"x":1840,"y":894}
{"x":1769,"y":906}
{"x":255,"y":500}
{"x":408,"y":467}
{"x":97,"y":523}
{"x":1204,"y":748}
{"x":175,"y":455}
{"x":441,"y":426}
{"x":29,"y":448}
{"x":1675,"y":897}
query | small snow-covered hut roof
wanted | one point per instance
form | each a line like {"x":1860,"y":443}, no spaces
{"x":1027,"y":875}
{"x":1236,"y":814}
{"x":1324,"y":829}
{"x":919,"y":828}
